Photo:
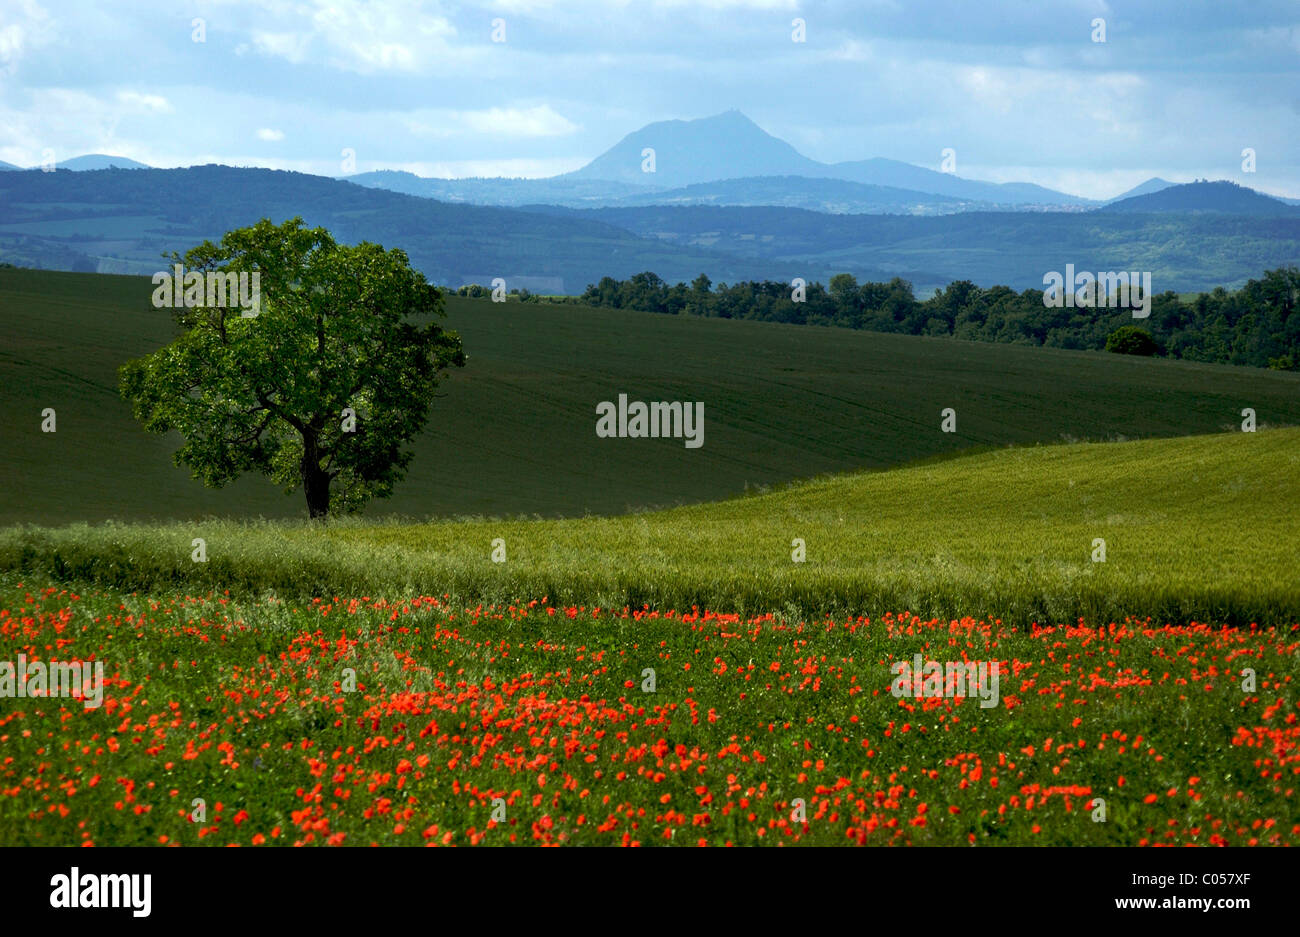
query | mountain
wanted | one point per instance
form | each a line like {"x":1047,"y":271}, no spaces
{"x":120,"y":222}
{"x":728,"y":152}
{"x":4,"y":166}
{"x":726,"y":146}
{"x":1218,"y":197}
{"x":94,"y":161}
{"x":1154,"y":184}
{"x":892,"y":172}
{"x":731,"y":146}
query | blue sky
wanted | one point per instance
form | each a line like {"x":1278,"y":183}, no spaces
{"x":1018,"y":88}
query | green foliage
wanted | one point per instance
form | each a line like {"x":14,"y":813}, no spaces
{"x":1131,"y":340}
{"x":1255,"y":325}
{"x":268,"y":393}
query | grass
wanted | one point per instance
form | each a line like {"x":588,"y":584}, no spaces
{"x":237,"y":722}
{"x":515,"y":431}
{"x":509,"y":703}
{"x":1195,"y":529}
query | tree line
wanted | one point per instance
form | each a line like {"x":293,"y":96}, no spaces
{"x":1255,"y":325}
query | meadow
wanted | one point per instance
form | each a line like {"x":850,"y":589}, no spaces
{"x":540,"y":656}
{"x":416,"y":721}
{"x":513,"y":433}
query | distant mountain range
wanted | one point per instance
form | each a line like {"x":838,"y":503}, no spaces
{"x":1185,"y":248}
{"x":112,"y":221}
{"x":828,"y":195}
{"x":122,"y":222}
{"x":731,"y":146}
{"x":728,"y":160}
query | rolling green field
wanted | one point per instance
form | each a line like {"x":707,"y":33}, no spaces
{"x":1195,"y":529}
{"x":513,"y":433}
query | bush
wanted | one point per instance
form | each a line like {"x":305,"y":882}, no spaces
{"x":1130,"y":340}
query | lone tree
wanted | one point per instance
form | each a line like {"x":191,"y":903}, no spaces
{"x":322,"y":387}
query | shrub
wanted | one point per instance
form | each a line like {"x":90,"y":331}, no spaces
{"x":1130,"y":340}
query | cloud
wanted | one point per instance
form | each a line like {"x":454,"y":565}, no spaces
{"x":506,"y":122}
{"x":1010,"y":83}
{"x":153,"y":103}
{"x":354,"y":35}
{"x":269,"y":135}
{"x":23,"y":24}
{"x":292,"y":47}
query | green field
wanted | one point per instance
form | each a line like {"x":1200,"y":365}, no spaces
{"x":235,"y":722}
{"x":670,"y":676}
{"x":514,"y":433}
{"x":1195,"y":529}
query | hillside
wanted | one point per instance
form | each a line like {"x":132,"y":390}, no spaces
{"x":111,"y":221}
{"x":514,"y":431}
{"x":94,"y":161}
{"x":1010,"y":534}
{"x":1226,"y":198}
{"x":826,"y":195}
{"x":1184,"y":251}
{"x":1154,"y":184}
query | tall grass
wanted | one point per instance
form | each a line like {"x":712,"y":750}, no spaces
{"x":1200,"y":528}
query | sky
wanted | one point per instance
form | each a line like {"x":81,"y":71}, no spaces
{"x":1019,"y":89}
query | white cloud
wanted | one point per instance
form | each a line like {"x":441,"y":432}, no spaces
{"x":851,"y":50}
{"x":23,"y":24}
{"x":354,"y":35}
{"x":505,"y":122}
{"x":269,"y":135}
{"x":292,"y":47}
{"x":154,"y":103}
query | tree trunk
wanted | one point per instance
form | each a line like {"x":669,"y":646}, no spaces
{"x":315,"y":481}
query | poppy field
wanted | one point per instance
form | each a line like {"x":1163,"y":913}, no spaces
{"x":422,"y":721}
